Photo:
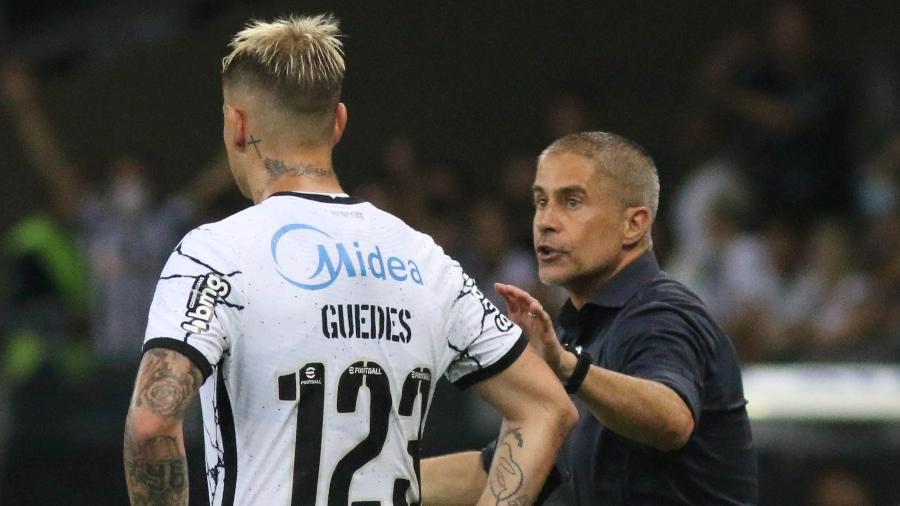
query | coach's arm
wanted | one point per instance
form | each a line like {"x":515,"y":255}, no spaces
{"x":537,"y":417}
{"x":643,"y":410}
{"x":155,"y":463}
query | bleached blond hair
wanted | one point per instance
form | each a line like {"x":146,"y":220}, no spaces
{"x":307,"y":49}
{"x":298,"y":59}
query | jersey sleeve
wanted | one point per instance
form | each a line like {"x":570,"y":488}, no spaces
{"x":670,"y":352}
{"x":198,"y":300}
{"x":483,"y":341}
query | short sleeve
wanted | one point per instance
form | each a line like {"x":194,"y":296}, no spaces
{"x":484,"y":341}
{"x":666,"y":349}
{"x":198,"y":300}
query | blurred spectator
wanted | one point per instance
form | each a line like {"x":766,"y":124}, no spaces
{"x":516,"y":178}
{"x":792,"y":112}
{"x":760,"y":314}
{"x":709,"y":175}
{"x":839,"y":487}
{"x":826,"y":312}
{"x":569,"y":112}
{"x":403,"y":180}
{"x":882,"y":258}
{"x":879,"y":191}
{"x":125,"y":234}
{"x":723,"y":273}
{"x":491,"y":257}
{"x":440,"y":187}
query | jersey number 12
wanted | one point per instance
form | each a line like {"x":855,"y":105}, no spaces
{"x":307,"y":386}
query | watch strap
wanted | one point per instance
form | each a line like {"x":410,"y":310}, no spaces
{"x":581,"y":368}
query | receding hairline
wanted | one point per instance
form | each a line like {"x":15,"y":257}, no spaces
{"x":623,"y":161}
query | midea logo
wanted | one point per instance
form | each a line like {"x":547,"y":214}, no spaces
{"x":334,"y":259}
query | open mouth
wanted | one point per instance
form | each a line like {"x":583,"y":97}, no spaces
{"x":547,"y":253}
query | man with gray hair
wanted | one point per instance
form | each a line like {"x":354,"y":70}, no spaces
{"x":317,"y":324}
{"x":655,"y":380}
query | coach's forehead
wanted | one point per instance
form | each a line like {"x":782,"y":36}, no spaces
{"x":562,"y":169}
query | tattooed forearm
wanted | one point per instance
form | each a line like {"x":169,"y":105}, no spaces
{"x":156,"y":472}
{"x":164,"y":387}
{"x":155,"y":464}
{"x":277,"y":168}
{"x":506,"y":476}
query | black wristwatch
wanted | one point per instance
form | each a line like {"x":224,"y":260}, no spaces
{"x":581,"y":368}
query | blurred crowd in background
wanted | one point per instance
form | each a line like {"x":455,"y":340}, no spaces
{"x":780,"y":208}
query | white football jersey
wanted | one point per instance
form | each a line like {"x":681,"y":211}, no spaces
{"x":324,"y":324}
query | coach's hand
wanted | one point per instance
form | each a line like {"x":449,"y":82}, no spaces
{"x":526,"y":312}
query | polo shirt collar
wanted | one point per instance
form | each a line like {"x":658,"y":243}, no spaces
{"x":621,"y":287}
{"x":618,"y":290}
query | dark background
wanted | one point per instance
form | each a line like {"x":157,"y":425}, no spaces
{"x":472,"y":75}
{"x":469,"y":82}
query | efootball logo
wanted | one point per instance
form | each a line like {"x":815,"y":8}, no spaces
{"x":310,"y":258}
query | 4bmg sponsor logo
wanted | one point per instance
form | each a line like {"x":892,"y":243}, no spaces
{"x":201,"y":304}
{"x":471,"y":288}
{"x":334,"y":259}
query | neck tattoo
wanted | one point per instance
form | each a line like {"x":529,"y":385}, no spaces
{"x":277,"y":169}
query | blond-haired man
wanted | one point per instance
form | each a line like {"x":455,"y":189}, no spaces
{"x":317,"y":324}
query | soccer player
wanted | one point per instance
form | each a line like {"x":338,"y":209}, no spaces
{"x":316,"y":324}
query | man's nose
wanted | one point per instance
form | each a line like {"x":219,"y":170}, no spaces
{"x":546,"y":219}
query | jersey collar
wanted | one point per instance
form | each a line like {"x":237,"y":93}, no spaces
{"x":328,"y":198}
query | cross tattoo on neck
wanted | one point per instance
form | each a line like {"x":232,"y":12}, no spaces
{"x":253,"y":142}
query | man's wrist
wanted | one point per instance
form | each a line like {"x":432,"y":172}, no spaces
{"x":576,"y":374}
{"x":567,"y":362}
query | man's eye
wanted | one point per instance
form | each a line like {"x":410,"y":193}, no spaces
{"x":573,"y":203}
{"x":540,"y":202}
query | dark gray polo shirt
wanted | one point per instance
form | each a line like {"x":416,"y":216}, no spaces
{"x":644,"y":324}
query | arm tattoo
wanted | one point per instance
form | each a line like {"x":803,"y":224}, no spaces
{"x":164,"y":388}
{"x":277,"y":169}
{"x":155,"y":464}
{"x":506,"y":477}
{"x":156,"y":472}
{"x":522,"y":500}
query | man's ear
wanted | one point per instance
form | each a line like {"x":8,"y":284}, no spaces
{"x":340,"y":123}
{"x":235,"y":128}
{"x":637,"y":225}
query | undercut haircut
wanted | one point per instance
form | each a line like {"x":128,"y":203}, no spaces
{"x":622,"y":160}
{"x":298,"y":60}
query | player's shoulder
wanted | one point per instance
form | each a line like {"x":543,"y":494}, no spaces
{"x":221,"y":236}
{"x":397,"y":223}
{"x":443,"y":270}
{"x":242,"y":224}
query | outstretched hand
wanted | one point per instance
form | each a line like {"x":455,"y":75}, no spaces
{"x":526,"y":312}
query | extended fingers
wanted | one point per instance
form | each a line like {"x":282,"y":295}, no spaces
{"x":513,"y":293}
{"x":512,"y":303}
{"x":536,"y":311}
